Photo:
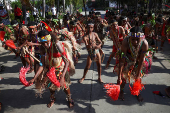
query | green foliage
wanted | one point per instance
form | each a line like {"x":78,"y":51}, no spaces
{"x":7,"y":34}
{"x":80,"y":10}
{"x":31,"y":18}
{"x":12,"y":16}
{"x":56,"y":21}
{"x":60,"y":15}
{"x":49,"y":13}
{"x":17,"y":2}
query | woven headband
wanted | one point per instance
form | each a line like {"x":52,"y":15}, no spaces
{"x":136,"y":34}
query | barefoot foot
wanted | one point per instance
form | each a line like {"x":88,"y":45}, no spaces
{"x":49,"y":105}
{"x":71,"y":103}
{"x":107,"y":65}
{"x":81,"y":80}
{"x":100,"y":80}
{"x":121,"y":96}
{"x":139,"y":98}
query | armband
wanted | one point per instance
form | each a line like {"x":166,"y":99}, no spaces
{"x":40,"y":64}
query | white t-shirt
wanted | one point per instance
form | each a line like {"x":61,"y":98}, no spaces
{"x":53,"y":9}
{"x":35,"y":11}
{"x":27,"y":14}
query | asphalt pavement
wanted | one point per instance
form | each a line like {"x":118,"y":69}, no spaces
{"x":90,"y":96}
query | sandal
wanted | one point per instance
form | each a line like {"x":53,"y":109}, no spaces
{"x":70,"y":101}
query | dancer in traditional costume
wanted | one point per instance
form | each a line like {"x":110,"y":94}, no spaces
{"x":133,"y":60}
{"x":117,"y":35}
{"x":149,"y":32}
{"x":56,"y":57}
{"x":93,"y":51}
{"x":34,"y":46}
{"x":160,"y":31}
{"x":99,"y":26}
{"x":21,"y":33}
{"x":69,"y":36}
{"x":126,"y":25}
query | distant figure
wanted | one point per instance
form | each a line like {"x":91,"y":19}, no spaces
{"x":35,"y":14}
{"x":46,"y":10}
{"x":54,"y":10}
{"x":27,"y":17}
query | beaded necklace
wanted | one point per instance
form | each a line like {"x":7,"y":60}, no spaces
{"x":134,"y":51}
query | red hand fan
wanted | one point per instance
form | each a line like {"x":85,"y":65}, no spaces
{"x":2,"y":34}
{"x":10,"y":44}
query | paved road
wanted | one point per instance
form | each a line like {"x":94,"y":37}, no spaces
{"x":90,"y":97}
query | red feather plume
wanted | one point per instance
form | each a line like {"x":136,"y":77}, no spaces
{"x":136,"y":88}
{"x":22,"y":78}
{"x":113,"y":91}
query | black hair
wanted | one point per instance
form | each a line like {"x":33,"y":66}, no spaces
{"x":149,"y":14}
{"x":136,"y":29}
{"x":43,"y":33}
{"x":31,"y":23}
{"x":97,"y":13}
{"x":160,"y":15}
{"x":141,"y":14}
{"x":14,"y":22}
{"x":160,"y":20}
{"x":72,"y":22}
{"x":112,"y":21}
{"x":90,"y":22}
